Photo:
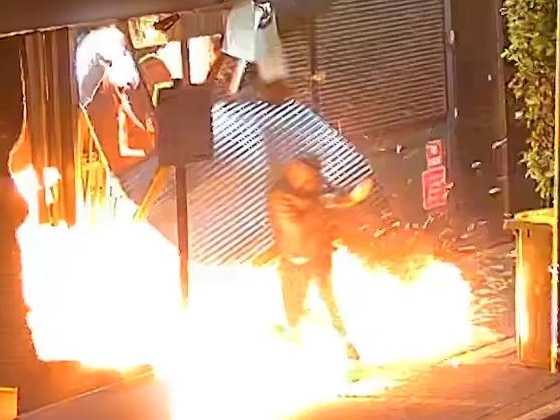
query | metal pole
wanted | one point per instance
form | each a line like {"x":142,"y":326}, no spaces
{"x":556,"y":199}
{"x":501,"y":133}
{"x":183,"y":228}
{"x":451,"y":146}
{"x":181,"y":189}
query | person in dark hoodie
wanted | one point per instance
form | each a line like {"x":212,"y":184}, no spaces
{"x":304,"y":235}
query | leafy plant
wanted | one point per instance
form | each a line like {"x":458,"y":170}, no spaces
{"x":531,"y":30}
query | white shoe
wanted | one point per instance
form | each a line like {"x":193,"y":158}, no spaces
{"x":290,"y":334}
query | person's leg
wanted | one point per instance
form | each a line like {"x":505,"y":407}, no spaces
{"x":294,"y":291}
{"x":323,"y":274}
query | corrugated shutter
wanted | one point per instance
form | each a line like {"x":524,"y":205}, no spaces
{"x":297,"y":51}
{"x":382,"y":64}
{"x":228,"y":219}
{"x":227,"y":197}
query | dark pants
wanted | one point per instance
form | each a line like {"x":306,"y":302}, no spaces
{"x":296,"y":280}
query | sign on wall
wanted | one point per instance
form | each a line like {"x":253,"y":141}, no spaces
{"x":434,"y":178}
{"x":434,"y":153}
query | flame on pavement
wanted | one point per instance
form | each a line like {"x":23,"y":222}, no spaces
{"x":109,"y":296}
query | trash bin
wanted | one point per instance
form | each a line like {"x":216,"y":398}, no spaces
{"x":533,"y":231}
{"x":8,"y":403}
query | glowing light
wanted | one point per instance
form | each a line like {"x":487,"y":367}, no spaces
{"x":172,"y":56}
{"x":200,"y":58}
{"x":522,"y":313}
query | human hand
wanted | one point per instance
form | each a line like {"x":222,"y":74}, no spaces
{"x":362,"y":190}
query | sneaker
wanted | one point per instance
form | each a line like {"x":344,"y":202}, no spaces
{"x":280,"y":329}
{"x":352,"y":352}
{"x":289,"y":334}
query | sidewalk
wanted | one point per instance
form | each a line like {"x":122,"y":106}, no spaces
{"x":484,"y":384}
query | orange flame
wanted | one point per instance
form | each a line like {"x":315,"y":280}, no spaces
{"x":109,"y":296}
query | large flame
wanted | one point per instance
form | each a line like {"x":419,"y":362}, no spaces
{"x":109,"y":296}
{"x":97,"y":294}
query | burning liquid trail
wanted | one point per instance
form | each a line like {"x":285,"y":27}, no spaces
{"x":109,"y":296}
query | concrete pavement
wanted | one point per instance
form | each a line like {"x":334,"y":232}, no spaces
{"x":139,"y":399}
{"x":485,"y":384}
{"x":489,"y":385}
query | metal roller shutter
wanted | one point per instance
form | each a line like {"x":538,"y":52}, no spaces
{"x":227,"y":196}
{"x":297,"y":51}
{"x":382,"y":64}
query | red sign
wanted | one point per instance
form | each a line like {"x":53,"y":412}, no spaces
{"x":434,"y":153}
{"x":434,"y":188}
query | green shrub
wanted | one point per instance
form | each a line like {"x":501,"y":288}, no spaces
{"x":531,"y":30}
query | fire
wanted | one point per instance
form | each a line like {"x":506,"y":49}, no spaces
{"x":232,"y":350}
{"x":109,"y":296}
{"x":97,"y":294}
